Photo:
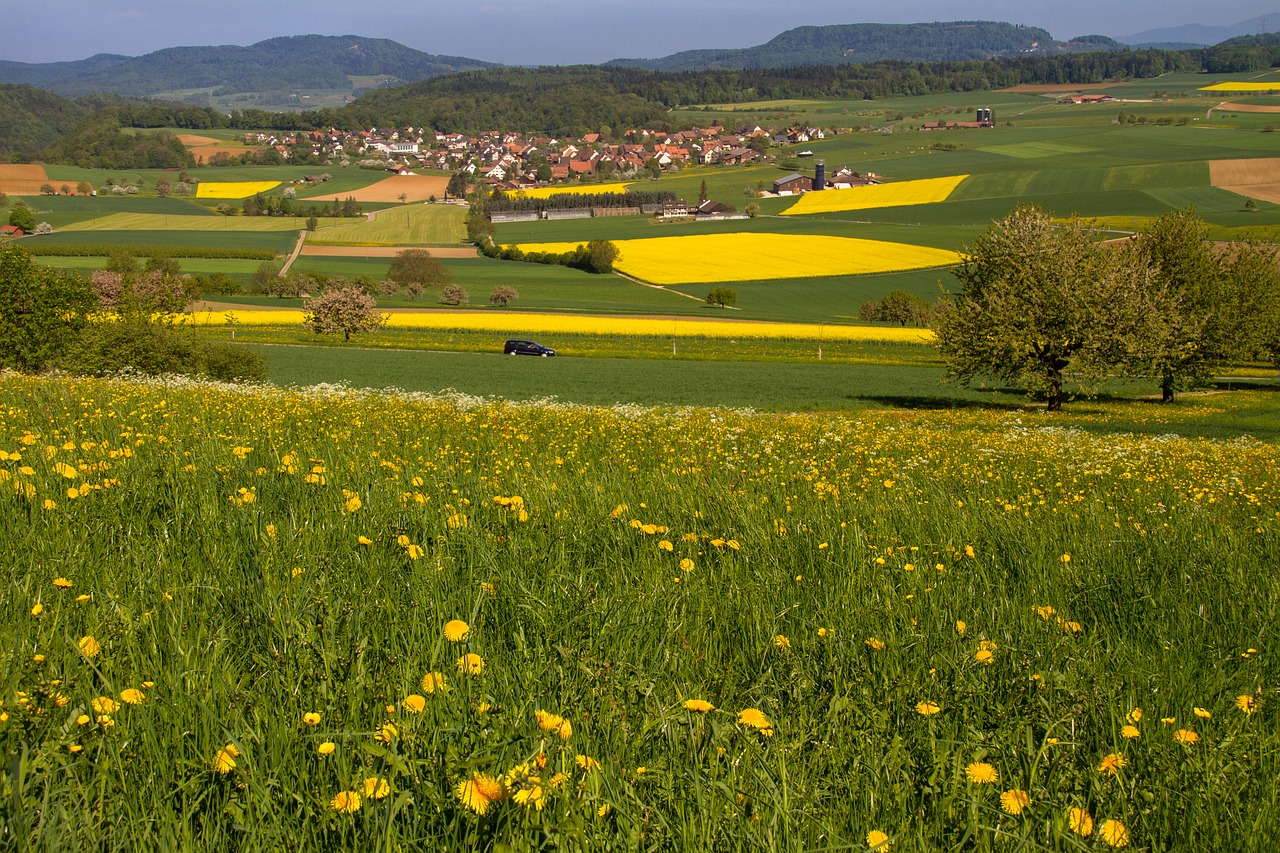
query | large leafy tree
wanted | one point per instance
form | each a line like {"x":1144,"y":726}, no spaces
{"x":1180,"y":319}
{"x":42,"y":311}
{"x":418,"y":267}
{"x":342,"y":310}
{"x":1024,"y":312}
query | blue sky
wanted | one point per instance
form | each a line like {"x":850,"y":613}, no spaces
{"x":531,"y":32}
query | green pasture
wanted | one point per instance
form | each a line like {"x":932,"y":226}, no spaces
{"x":234,"y":267}
{"x":165,"y":222}
{"x":279,"y":241}
{"x":408,"y":225}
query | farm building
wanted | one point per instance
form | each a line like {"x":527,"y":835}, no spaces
{"x":792,"y":184}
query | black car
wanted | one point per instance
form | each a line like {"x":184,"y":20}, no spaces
{"x":527,"y":348}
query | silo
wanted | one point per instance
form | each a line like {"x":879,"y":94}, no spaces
{"x":820,"y":175}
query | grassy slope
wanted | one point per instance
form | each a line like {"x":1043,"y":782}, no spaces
{"x":410,"y":225}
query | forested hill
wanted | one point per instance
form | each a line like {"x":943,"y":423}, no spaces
{"x":45,"y":74}
{"x":31,"y":118}
{"x":290,"y":62}
{"x":862,"y":43}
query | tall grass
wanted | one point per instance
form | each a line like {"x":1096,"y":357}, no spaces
{"x":246,"y":558}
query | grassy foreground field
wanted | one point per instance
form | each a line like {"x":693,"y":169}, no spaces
{"x":254,"y":618}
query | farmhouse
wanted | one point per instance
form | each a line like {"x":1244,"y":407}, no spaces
{"x":11,"y":231}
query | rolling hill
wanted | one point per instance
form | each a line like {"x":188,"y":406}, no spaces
{"x":288,"y":62}
{"x":861,"y":43}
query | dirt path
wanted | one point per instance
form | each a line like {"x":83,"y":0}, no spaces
{"x":297,"y":249}
{"x":385,"y":251}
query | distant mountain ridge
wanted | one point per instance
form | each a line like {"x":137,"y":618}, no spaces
{"x":1201,"y":35}
{"x":840,"y":44}
{"x":285,"y":63}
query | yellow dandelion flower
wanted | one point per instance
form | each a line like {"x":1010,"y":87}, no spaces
{"x":479,"y":792}
{"x":1014,"y":801}
{"x":549,"y":722}
{"x":557,"y":780}
{"x":375,"y":788}
{"x":1168,"y":721}
{"x":1186,"y":736}
{"x":969,"y":552}
{"x":74,"y":748}
{"x":961,"y":627}
{"x":83,"y":720}
{"x":525,"y":787}
{"x":89,"y":647}
{"x":1246,"y":703}
{"x":471,"y":663}
{"x":756,"y":719}
{"x":37,"y":609}
{"x":1080,"y":821}
{"x":225,"y":759}
{"x":311,"y":718}
{"x":782,"y":642}
{"x":1066,"y":558}
{"x":81,"y":599}
{"x":1129,"y":732}
{"x":414,"y":704}
{"x":927,"y":708}
{"x":603,"y":810}
{"x":364,"y":540}
{"x":1114,"y":833}
{"x":345,"y":802}
{"x":734,"y":544}
{"x":456,"y":631}
{"x":1202,"y":713}
{"x":415,"y":552}
{"x":1134,"y":716}
{"x":386,"y":734}
{"x":132,"y":695}
{"x":876,"y":644}
{"x":587,"y":763}
{"x":665,"y":545}
{"x":434,"y":682}
{"x":326,"y":748}
{"x":701,"y":706}
{"x":104,"y":705}
{"x":984,"y":657}
{"x":1112,"y":764}
{"x":686,"y":565}
{"x":878,"y":841}
{"x":981,"y":773}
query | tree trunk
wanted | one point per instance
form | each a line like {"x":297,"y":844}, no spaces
{"x":1166,"y":388}
{"x":1055,"y":388}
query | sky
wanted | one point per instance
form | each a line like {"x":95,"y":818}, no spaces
{"x":550,"y":32}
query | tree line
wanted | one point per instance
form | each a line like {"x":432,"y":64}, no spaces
{"x":500,"y":201}
{"x":1042,"y":303}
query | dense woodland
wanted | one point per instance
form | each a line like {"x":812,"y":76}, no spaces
{"x":860,"y":43}
{"x":566,"y":100}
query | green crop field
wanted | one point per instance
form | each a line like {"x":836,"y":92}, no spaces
{"x":409,"y":225}
{"x":234,"y":267}
{"x":165,"y":222}
{"x":279,"y":241}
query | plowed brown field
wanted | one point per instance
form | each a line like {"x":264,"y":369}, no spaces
{"x":413,"y":187}
{"x":24,"y":179}
{"x":1249,"y":108}
{"x":1258,"y":177}
{"x":384,"y":251}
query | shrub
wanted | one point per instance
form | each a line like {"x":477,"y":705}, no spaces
{"x":156,"y":349}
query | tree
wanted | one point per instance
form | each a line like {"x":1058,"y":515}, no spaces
{"x":599,"y":256}
{"x":22,"y":217}
{"x":904,"y":309}
{"x":42,"y":311}
{"x":43,"y":228}
{"x":1168,"y":322}
{"x":502,"y":294}
{"x":312,"y":222}
{"x":163,"y":188}
{"x":47,"y":189}
{"x":84,"y":188}
{"x":1025,"y":304}
{"x":702,"y":193}
{"x":454,"y":294}
{"x":722,"y":296}
{"x":457,"y":186}
{"x":418,"y":266}
{"x":263,"y":275}
{"x":345,"y":309}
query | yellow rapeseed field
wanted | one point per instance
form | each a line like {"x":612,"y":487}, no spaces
{"x":926,"y":191}
{"x":751,"y":257}
{"x":1273,"y":86}
{"x":531,"y":324}
{"x":576,"y":189}
{"x":233,"y":189}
